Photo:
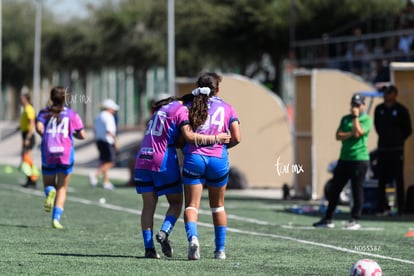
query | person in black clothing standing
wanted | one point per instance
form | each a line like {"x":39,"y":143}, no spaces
{"x":393,"y":125}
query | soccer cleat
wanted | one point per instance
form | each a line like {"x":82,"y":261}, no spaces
{"x":56,"y":224}
{"x":324,"y":223}
{"x":93,"y":180}
{"x":353,"y":225}
{"x":30,"y":184}
{"x":108,"y":186}
{"x":151,"y":253}
{"x":50,"y":200}
{"x":26,"y":167}
{"x":162,"y":238}
{"x":194,"y":249}
{"x":221,"y":255}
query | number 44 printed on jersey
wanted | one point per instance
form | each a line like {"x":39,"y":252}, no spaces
{"x":53,"y":128}
{"x":56,"y":134}
{"x":216,"y":119}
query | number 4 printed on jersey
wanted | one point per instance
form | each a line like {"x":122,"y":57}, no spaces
{"x":54,"y":128}
{"x":216,"y":119}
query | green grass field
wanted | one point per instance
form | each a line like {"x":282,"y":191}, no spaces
{"x":263,"y":238}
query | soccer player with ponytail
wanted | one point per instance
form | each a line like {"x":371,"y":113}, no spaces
{"x":208,"y":115}
{"x":58,"y":125}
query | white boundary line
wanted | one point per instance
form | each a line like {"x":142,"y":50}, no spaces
{"x":209,"y":225}
{"x":287,"y":226}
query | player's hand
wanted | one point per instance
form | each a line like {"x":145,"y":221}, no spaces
{"x":223,"y":138}
{"x":355,"y":111}
{"x":26,"y":142}
{"x":116,"y":144}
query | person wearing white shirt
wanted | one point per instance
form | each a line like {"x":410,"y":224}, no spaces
{"x":404,"y":45}
{"x":106,"y":142}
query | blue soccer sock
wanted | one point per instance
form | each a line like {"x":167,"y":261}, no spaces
{"x":191,"y":230}
{"x":168,"y":224}
{"x":57,"y":213}
{"x":148,"y":240}
{"x":220,"y":237}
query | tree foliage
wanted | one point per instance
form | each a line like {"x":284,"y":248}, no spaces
{"x":17,"y":43}
{"x":226,"y":35}
{"x":317,"y":17}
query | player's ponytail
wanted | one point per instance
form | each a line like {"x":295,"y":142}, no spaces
{"x":198,"y":111}
{"x":57,"y":97}
{"x":208,"y":85}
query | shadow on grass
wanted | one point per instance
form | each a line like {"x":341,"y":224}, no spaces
{"x":19,"y":226}
{"x":87,"y":255}
{"x":104,"y":256}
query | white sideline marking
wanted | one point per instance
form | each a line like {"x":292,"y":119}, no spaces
{"x":337,"y":248}
{"x":209,"y":225}
{"x":289,"y":226}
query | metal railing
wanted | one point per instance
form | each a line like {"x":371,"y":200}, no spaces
{"x":335,"y":52}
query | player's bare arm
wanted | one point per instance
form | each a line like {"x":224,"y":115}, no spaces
{"x":235,"y":134}
{"x":40,"y":128}
{"x":191,"y":137}
{"x":343,"y":135}
{"x":30,"y":132}
{"x":81,"y":135}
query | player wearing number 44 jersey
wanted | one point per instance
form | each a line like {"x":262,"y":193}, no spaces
{"x":157,"y":171}
{"x":57,"y":124}
{"x":209,"y":115}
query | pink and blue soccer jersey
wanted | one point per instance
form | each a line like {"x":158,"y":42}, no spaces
{"x":220,"y":116}
{"x":57,"y":140}
{"x":160,"y":135}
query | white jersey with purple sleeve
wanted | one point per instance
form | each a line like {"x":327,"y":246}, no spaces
{"x":220,"y":116}
{"x":160,"y":135}
{"x":57,"y":140}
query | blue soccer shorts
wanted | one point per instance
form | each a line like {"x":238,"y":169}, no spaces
{"x":162,"y":183}
{"x":53,"y":169}
{"x":198,"y":169}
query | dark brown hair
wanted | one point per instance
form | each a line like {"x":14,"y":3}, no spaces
{"x":58,"y":98}
{"x":186,"y":99}
{"x":198,"y":112}
{"x":27,"y":97}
